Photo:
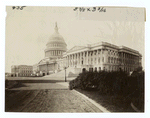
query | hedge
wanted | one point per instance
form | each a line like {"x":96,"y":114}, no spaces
{"x":113,"y":83}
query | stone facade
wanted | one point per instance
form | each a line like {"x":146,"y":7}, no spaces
{"x":21,"y":70}
{"x":103,"y":56}
{"x":52,"y":62}
{"x":94,"y":57}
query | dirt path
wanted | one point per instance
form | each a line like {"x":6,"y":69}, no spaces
{"x":47,"y":101}
{"x":45,"y":96}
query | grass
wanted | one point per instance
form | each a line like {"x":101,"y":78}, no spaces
{"x":110,"y":102}
{"x":13,"y":84}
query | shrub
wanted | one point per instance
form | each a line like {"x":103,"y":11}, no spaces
{"x":117,"y":83}
{"x":137,"y":89}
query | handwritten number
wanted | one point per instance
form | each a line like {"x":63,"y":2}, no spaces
{"x":13,"y":7}
{"x":75,"y":9}
{"x":93,"y":9}
{"x":82,"y":9}
{"x":18,"y":7}
{"x":21,"y":8}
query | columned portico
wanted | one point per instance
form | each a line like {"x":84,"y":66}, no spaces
{"x":103,"y":57}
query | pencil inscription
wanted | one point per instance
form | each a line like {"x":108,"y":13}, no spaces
{"x":92,"y":9}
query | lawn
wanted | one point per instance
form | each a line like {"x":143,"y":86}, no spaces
{"x":111,"y":102}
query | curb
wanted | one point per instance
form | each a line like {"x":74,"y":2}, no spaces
{"x":93,"y":102}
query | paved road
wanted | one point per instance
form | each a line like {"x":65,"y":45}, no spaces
{"x":46,"y":96}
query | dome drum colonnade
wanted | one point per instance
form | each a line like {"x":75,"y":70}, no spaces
{"x":56,"y":45}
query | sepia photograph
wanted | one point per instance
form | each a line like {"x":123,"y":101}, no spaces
{"x":74,"y":59}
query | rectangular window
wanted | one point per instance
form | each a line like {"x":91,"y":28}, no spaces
{"x":103,"y":59}
{"x":99,"y":60}
{"x":108,"y":59}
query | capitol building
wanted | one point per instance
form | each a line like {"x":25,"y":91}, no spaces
{"x":93,"y":57}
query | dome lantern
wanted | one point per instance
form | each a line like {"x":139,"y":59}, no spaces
{"x":56,"y":28}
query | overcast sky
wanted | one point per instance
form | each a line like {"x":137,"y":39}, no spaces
{"x":28,"y":30}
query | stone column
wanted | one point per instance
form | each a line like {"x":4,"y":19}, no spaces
{"x":92,"y":57}
{"x":87,"y":57}
{"x":77,"y":58}
{"x":80,"y":58}
{"x":97,"y":56}
{"x":68,"y":60}
{"x":101,"y":57}
{"x":73,"y":58}
{"x":83,"y":58}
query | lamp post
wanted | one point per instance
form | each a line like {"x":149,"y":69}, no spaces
{"x":15,"y":71}
{"x":65,"y":74}
{"x":47,"y":67}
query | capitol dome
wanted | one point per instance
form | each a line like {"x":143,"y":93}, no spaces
{"x":55,"y":45}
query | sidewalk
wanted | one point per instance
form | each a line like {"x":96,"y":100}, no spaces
{"x":94,"y":104}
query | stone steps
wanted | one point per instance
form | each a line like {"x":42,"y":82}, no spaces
{"x":61,"y":74}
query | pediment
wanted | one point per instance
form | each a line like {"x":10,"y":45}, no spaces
{"x":43,"y":61}
{"x":76,"y":48}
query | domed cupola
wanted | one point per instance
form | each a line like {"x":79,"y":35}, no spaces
{"x":55,"y":45}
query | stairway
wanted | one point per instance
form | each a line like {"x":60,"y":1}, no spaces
{"x":61,"y":74}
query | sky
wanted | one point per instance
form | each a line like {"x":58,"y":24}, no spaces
{"x":28,"y":30}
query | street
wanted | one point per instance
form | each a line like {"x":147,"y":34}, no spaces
{"x":45,"y":96}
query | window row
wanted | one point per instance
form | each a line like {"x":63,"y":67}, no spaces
{"x":26,"y":71}
{"x":55,"y":45}
{"x":111,"y":52}
{"x":127,"y":55}
{"x":113,"y":60}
